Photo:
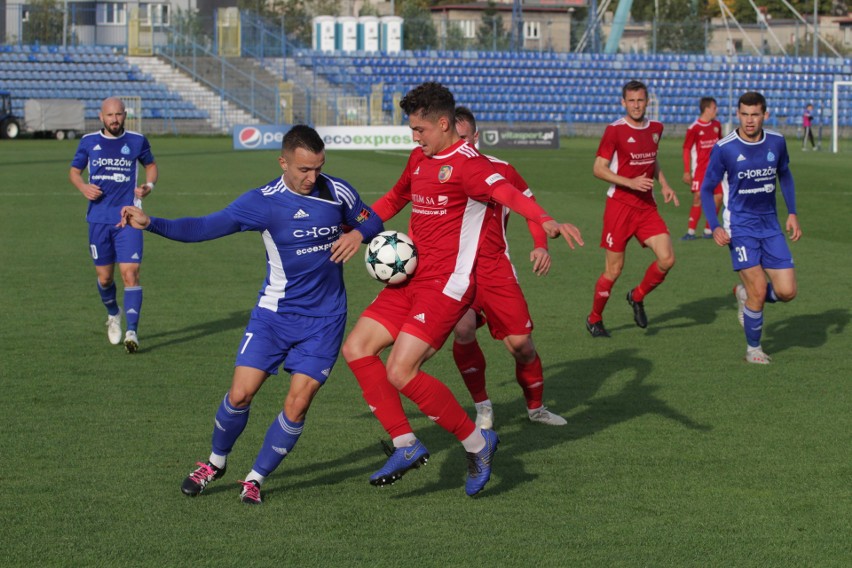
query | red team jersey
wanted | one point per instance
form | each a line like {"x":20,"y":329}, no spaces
{"x":632,"y":152}
{"x":448,"y":194}
{"x":699,"y":141}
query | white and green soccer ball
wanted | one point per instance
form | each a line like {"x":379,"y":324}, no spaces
{"x":391,"y":257}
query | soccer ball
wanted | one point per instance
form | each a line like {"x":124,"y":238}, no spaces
{"x":391,"y":257}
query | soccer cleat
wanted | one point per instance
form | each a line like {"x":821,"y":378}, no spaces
{"x":250,"y":494}
{"x":688,"y":237}
{"x":708,"y":235}
{"x":741,"y":295}
{"x":479,"y":464}
{"x":597,"y":329}
{"x":197,"y":481}
{"x":484,"y":415}
{"x":638,"y":311}
{"x":113,"y":324}
{"x":757,"y":356}
{"x":543,"y":415}
{"x":131,"y":341}
{"x":399,"y":462}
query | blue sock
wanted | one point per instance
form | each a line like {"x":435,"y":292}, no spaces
{"x":108,"y":298}
{"x":230,"y":423}
{"x":132,"y":306}
{"x":770,"y":293}
{"x":279,"y":441}
{"x":753,"y":323}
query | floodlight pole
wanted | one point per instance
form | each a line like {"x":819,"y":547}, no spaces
{"x":816,"y":29}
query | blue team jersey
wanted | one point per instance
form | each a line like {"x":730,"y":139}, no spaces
{"x":298,"y":231}
{"x":752,"y":169}
{"x":112,"y":167}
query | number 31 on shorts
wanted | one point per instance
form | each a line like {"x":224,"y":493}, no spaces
{"x":742,"y":254}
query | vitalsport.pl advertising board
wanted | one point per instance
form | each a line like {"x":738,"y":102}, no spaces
{"x":268,"y":137}
{"x":545,"y":137}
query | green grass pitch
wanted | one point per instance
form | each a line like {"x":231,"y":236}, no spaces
{"x":676,"y":452}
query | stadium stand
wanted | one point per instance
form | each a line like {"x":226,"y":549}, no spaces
{"x":87,"y":73}
{"x":582,"y":88}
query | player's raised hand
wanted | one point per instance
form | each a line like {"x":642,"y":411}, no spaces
{"x":669,"y":194}
{"x":793,"y":228}
{"x":134,"y":217}
{"x":720,"y":235}
{"x":346,"y":246}
{"x":540,"y":259}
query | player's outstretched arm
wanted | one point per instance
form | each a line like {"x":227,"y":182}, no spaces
{"x":506,"y":194}
{"x":185,"y":230}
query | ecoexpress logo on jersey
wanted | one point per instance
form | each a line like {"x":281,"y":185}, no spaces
{"x":260,"y":137}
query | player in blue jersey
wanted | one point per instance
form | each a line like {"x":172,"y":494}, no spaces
{"x":753,"y":159}
{"x":110,"y":156}
{"x":301,"y":310}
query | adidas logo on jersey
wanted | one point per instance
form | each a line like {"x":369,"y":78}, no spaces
{"x":135,"y":256}
{"x":325,"y":372}
{"x":631,"y":139}
{"x":300,"y":214}
{"x":96,"y":148}
{"x":529,"y":323}
{"x":421,"y":318}
{"x":741,"y":158}
{"x":416,"y":171}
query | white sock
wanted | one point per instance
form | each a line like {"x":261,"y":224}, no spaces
{"x":217,"y":460}
{"x":256,"y":477}
{"x":690,"y":231}
{"x":486,"y":402}
{"x":405,"y":441}
{"x":475,"y":442}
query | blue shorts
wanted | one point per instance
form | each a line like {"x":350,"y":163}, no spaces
{"x":768,"y":252}
{"x":304,"y":344}
{"x":109,"y":244}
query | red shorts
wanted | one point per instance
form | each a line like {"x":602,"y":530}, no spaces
{"x":623,"y":221}
{"x":419,"y":308}
{"x":696,"y":187}
{"x":499,"y":301}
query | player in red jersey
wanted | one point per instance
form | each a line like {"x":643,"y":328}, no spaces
{"x":627,"y":159}
{"x":448,"y":184}
{"x":700,"y":138}
{"x":500,"y":302}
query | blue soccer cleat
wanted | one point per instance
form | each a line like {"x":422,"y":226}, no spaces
{"x":399,"y":462}
{"x":479,"y":464}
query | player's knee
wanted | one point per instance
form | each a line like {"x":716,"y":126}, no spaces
{"x":464,"y":333}
{"x":399,"y":373}
{"x":355,"y":348}
{"x":666,"y":262}
{"x":296,"y":408}
{"x":521,"y":348}
{"x":786,"y":294}
{"x":106,"y":282}
{"x":239,"y":398}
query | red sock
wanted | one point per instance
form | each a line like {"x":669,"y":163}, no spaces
{"x":694,"y":216}
{"x":653,"y":278}
{"x":471,"y":363}
{"x":531,"y":378}
{"x":381,"y":396}
{"x":602,"y":289}
{"x":437,"y":402}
